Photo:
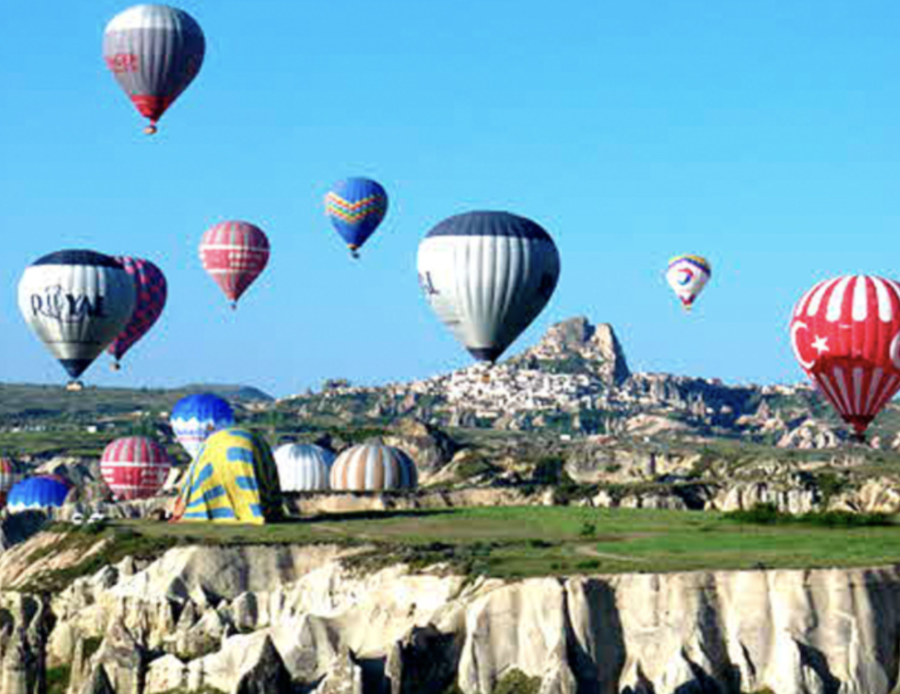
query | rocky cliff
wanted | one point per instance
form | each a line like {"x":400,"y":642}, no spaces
{"x":581,"y":346}
{"x":269,"y":619}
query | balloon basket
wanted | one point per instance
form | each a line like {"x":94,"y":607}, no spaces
{"x":74,"y":386}
{"x":151,"y":129}
{"x":115,"y":366}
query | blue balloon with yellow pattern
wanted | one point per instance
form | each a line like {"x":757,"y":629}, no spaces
{"x":356,"y":207}
{"x":234,"y":480}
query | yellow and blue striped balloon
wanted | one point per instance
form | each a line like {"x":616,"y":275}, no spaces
{"x":233,"y":480}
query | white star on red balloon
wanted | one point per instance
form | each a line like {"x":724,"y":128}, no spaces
{"x":820,"y":344}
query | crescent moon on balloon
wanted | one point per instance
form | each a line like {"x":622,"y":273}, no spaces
{"x":895,"y":351}
{"x":795,"y":328}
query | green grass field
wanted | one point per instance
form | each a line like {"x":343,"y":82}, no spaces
{"x":534,"y":541}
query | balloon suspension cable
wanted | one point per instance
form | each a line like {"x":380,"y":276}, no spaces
{"x":151,"y":128}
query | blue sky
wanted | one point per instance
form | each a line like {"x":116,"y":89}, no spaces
{"x":763,"y":135}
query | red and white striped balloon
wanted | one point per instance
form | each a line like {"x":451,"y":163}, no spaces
{"x":234,"y":254}
{"x":846,"y":335}
{"x":9,"y":475}
{"x":134,"y":467}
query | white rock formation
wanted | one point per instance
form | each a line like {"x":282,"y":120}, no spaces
{"x":269,"y":614}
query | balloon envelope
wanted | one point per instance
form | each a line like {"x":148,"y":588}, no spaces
{"x":303,"y":467}
{"x":373,"y":467}
{"x":687,"y":276}
{"x":76,"y":302}
{"x":234,"y":254}
{"x":37,"y":493}
{"x":487,"y":276}
{"x":150,"y":299}
{"x":233,"y":480}
{"x":356,"y":206}
{"x":195,"y":417}
{"x":845,"y":333}
{"x":9,"y":475}
{"x":134,"y":467}
{"x":154,"y":53}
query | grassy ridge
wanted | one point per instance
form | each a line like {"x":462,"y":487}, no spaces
{"x":536,"y":541}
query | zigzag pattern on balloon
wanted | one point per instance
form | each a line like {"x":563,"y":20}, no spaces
{"x":696,"y":260}
{"x":353,"y":212}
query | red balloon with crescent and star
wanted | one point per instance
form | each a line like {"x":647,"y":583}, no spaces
{"x":845,"y":333}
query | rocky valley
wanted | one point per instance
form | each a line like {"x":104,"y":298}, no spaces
{"x":578,"y":528}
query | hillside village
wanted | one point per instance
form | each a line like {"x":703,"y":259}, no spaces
{"x":576,"y":381}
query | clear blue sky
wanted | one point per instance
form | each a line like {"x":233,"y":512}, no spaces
{"x":764,"y":135}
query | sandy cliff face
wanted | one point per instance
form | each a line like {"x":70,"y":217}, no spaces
{"x":254,"y":618}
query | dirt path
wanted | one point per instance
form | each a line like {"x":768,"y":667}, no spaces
{"x":589,"y":551}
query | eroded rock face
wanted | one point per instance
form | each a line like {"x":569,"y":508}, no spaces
{"x":796,"y":498}
{"x":810,"y":434}
{"x":260,"y":618}
{"x":598,"y":460}
{"x":430,"y":447}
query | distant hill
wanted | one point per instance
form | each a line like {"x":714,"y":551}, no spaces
{"x":22,"y":402}
{"x":232,"y":393}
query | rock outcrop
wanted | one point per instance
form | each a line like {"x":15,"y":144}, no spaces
{"x":268,"y":619}
{"x":594,"y":347}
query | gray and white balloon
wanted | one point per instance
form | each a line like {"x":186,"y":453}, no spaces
{"x":76,"y":302}
{"x":154,"y":53}
{"x":487,"y":276}
{"x":303,"y":467}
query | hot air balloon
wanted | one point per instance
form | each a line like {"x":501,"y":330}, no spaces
{"x":233,"y":480}
{"x":356,"y":207}
{"x":195,"y":417}
{"x":41,"y":492}
{"x":9,"y":475}
{"x":373,"y":468}
{"x":134,"y":467}
{"x":154,"y":52}
{"x":150,"y":299}
{"x":76,"y":302}
{"x":846,"y":335}
{"x":688,"y":275}
{"x":234,"y":254}
{"x":303,"y":467}
{"x":488,"y":275}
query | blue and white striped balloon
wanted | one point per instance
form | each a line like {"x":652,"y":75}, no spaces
{"x":195,"y":417}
